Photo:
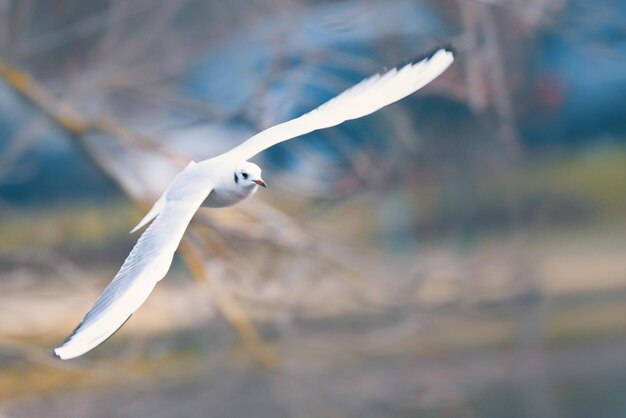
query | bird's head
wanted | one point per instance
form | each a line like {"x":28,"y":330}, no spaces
{"x":248,"y":175}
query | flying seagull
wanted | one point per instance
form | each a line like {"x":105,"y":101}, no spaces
{"x":224,"y":181}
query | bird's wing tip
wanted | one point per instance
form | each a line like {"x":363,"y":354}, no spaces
{"x":63,"y":352}
{"x":447,"y":48}
{"x":55,"y":353}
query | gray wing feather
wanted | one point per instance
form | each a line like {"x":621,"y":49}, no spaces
{"x":360,"y":100}
{"x":147,"y":263}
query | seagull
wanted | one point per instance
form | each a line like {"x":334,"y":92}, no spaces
{"x":224,"y":181}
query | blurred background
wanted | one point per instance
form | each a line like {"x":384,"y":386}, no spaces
{"x":461,"y":253}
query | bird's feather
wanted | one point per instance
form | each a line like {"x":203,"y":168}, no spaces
{"x":156,"y":208}
{"x":360,"y":100}
{"x":152,"y":213}
{"x":147,"y":263}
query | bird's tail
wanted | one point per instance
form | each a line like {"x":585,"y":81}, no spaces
{"x":152,"y":213}
{"x":156,"y":208}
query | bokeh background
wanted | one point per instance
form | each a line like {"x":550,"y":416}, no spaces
{"x":461,"y":253}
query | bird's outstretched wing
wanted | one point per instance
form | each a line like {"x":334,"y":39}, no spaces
{"x":147,"y":263}
{"x":360,"y":100}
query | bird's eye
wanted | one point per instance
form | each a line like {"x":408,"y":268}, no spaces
{"x":244,"y":175}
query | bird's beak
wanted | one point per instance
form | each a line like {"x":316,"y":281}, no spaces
{"x":260,"y":182}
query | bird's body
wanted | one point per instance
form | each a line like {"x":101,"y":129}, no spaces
{"x":226,"y":190}
{"x":224,"y":181}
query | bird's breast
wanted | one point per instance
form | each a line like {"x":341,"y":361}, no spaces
{"x":222,"y":197}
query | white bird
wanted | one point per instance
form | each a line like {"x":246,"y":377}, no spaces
{"x":224,"y":181}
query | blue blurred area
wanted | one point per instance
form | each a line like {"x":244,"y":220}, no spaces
{"x":571,"y":93}
{"x":311,"y":65}
{"x":259,"y":78}
{"x":52,"y":175}
{"x":50,"y":167}
{"x":578,"y":77}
